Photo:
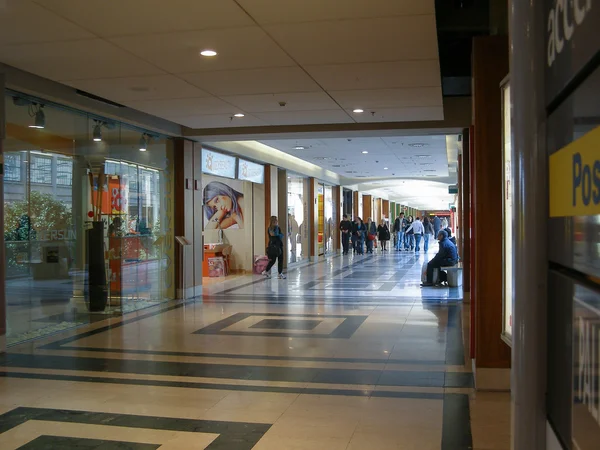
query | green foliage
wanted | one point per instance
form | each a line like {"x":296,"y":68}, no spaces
{"x":44,"y":211}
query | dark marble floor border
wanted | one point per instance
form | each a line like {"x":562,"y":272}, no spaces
{"x":375,"y":377}
{"x":45,"y":442}
{"x":232,"y":435}
{"x":229,"y":387}
{"x":456,"y":425}
{"x":345,"y":330}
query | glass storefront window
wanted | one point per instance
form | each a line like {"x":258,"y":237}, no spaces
{"x":60,"y":184}
{"x":298,"y":230}
{"x":329,"y":226}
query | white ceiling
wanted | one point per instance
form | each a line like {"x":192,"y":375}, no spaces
{"x":404,"y":156}
{"x":324,"y":58}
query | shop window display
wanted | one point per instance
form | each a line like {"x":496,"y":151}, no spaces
{"x":61,"y":185}
{"x":297,"y":223}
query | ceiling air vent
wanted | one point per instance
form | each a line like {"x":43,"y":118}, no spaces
{"x":98,"y":99}
{"x":417,"y":144}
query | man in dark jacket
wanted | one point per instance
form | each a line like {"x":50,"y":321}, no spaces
{"x":437,"y":224}
{"x":447,"y":256}
{"x":346,"y":229}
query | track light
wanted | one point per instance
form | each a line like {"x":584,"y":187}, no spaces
{"x":39,"y":119}
{"x":143,"y":143}
{"x":97,"y":135}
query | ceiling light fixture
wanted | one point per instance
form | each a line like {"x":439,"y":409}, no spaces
{"x":143,"y":142}
{"x":208,"y":52}
{"x":417,"y":144}
{"x":365,"y":152}
{"x":97,"y":134}
{"x":239,"y":115}
{"x":299,"y":147}
{"x":39,"y":119}
{"x":385,"y":168}
{"x":358,"y":111}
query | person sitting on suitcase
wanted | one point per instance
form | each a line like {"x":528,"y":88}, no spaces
{"x":447,"y":256}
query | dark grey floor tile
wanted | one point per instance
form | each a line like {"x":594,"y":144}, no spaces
{"x":287,"y":324}
{"x":406,"y":378}
{"x":69,"y":443}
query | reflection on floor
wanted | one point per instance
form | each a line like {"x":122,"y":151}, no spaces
{"x":344,"y":354}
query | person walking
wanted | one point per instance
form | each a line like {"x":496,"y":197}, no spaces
{"x":346,"y":229}
{"x":371,"y":234}
{"x":399,"y":225}
{"x":361,"y":234}
{"x":437,"y":225}
{"x":444,"y":223}
{"x":275,"y":248}
{"x":384,"y":235}
{"x":417,"y":230}
{"x":429,"y":233}
{"x":409,"y":235}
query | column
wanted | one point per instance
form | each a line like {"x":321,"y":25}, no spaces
{"x":184,"y":216}
{"x":355,"y":202}
{"x":367,"y":208}
{"x":528,"y":32}
{"x":198,"y":245}
{"x":2,"y":257}
{"x":492,"y":355}
{"x":465,"y":212}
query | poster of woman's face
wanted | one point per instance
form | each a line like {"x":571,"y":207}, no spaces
{"x":223,"y":204}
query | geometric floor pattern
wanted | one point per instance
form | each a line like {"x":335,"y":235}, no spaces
{"x":347,"y":353}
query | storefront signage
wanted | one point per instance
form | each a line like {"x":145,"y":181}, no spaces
{"x":575,"y":178}
{"x":56,"y":235}
{"x":571,"y":41}
{"x":586,"y":357}
{"x":218,"y":164}
{"x":249,"y":171}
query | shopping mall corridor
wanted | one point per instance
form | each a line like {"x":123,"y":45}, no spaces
{"x":349,"y":353}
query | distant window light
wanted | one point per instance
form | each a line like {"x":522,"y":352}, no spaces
{"x":40,"y":171}
{"x":12,"y":167}
{"x":64,"y":172}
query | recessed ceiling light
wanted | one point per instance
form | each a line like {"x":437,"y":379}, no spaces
{"x":239,"y":115}
{"x":208,"y":53}
{"x":417,"y":144}
{"x":358,"y":111}
{"x":299,"y":147}
{"x":385,"y":168}
{"x":365,"y":152}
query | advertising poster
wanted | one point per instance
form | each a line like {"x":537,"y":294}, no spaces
{"x":249,"y":171}
{"x":218,"y":164}
{"x":223,"y":202}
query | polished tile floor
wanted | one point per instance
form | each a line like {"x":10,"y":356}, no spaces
{"x":347,"y":353}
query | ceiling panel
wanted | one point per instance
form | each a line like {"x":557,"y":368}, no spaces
{"x":86,"y":59}
{"x":389,"y":98}
{"x":238,"y":48}
{"x":183,"y":107}
{"x":130,"y":17}
{"x":414,"y":114}
{"x":139,"y":88}
{"x":294,"y":101}
{"x":253,"y":81}
{"x":291,"y":11}
{"x":22,"y":21}
{"x":377,"y":75}
{"x":351,"y":41}
{"x":304,"y":117}
{"x":218,"y":121}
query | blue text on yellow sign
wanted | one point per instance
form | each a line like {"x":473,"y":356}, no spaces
{"x":575,"y":178}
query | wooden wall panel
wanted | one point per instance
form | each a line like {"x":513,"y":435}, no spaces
{"x":367,"y":209}
{"x":337,"y":216}
{"x":385,"y":207}
{"x":490,"y":66}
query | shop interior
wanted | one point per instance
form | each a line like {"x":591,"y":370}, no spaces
{"x":85,"y":218}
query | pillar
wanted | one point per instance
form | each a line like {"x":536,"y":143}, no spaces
{"x":355,"y":202}
{"x":2,"y":257}
{"x":465,"y":212}
{"x":367,"y":210}
{"x":492,"y":354}
{"x":282,"y":211}
{"x":527,"y":59}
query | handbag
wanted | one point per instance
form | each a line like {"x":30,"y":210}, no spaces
{"x":371,"y":237}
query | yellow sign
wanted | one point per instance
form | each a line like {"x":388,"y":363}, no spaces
{"x":575,"y":178}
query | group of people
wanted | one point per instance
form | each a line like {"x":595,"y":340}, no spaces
{"x":409,"y":232}
{"x":359,"y":235}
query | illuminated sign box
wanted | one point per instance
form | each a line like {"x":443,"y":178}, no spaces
{"x":249,"y":171}
{"x":218,"y":164}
